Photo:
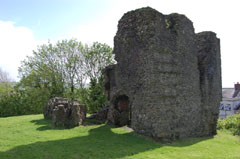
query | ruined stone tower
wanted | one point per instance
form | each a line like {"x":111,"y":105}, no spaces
{"x":167,"y":80}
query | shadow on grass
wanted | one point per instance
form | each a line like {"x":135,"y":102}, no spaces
{"x":46,"y":124}
{"x":100,"y":143}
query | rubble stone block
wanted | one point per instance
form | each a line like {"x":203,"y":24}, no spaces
{"x":63,"y":113}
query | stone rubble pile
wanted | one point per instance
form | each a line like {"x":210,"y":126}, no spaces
{"x":63,"y":113}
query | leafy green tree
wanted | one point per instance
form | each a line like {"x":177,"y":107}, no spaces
{"x":59,"y":68}
{"x":6,"y":83}
{"x":97,"y":57}
{"x":72,"y":61}
{"x":8,"y":98}
{"x":42,"y":71}
{"x":65,"y":68}
{"x":96,"y":98}
{"x":6,"y":88}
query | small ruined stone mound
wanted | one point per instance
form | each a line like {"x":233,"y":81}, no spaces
{"x":167,"y":80}
{"x":53,"y":104}
{"x":101,"y":115}
{"x":63,"y":113}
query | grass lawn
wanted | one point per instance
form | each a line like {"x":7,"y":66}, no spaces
{"x":32,"y":137}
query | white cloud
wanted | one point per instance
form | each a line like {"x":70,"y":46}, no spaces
{"x":16,"y":42}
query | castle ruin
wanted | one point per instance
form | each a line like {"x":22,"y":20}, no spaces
{"x":167,"y":80}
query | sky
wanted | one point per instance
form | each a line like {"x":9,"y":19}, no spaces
{"x":26,"y":24}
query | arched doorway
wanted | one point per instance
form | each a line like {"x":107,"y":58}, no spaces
{"x":122,"y":105}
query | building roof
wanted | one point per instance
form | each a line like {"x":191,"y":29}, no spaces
{"x":227,"y":92}
{"x":230,"y":94}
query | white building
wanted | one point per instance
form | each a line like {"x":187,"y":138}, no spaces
{"x":230,"y":101}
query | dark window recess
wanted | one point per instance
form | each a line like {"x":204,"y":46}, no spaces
{"x":122,"y":103}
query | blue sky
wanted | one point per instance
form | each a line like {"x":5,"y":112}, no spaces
{"x":51,"y":18}
{"x":25,"y":24}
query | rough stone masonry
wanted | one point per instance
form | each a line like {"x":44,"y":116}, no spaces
{"x":62,"y":112}
{"x":167,"y":80}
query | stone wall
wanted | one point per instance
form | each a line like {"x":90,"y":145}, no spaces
{"x":157,"y":85}
{"x":209,"y":62}
{"x":63,"y":113}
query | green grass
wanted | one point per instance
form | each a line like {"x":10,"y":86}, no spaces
{"x":32,"y":137}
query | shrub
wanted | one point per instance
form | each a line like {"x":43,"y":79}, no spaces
{"x":231,"y":123}
{"x":22,"y":101}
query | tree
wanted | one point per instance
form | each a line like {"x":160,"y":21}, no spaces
{"x":6,"y":83}
{"x":72,"y":61}
{"x":65,"y":68}
{"x":42,"y":70}
{"x":98,"y":56}
{"x":96,"y":98}
{"x":4,"y":77}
